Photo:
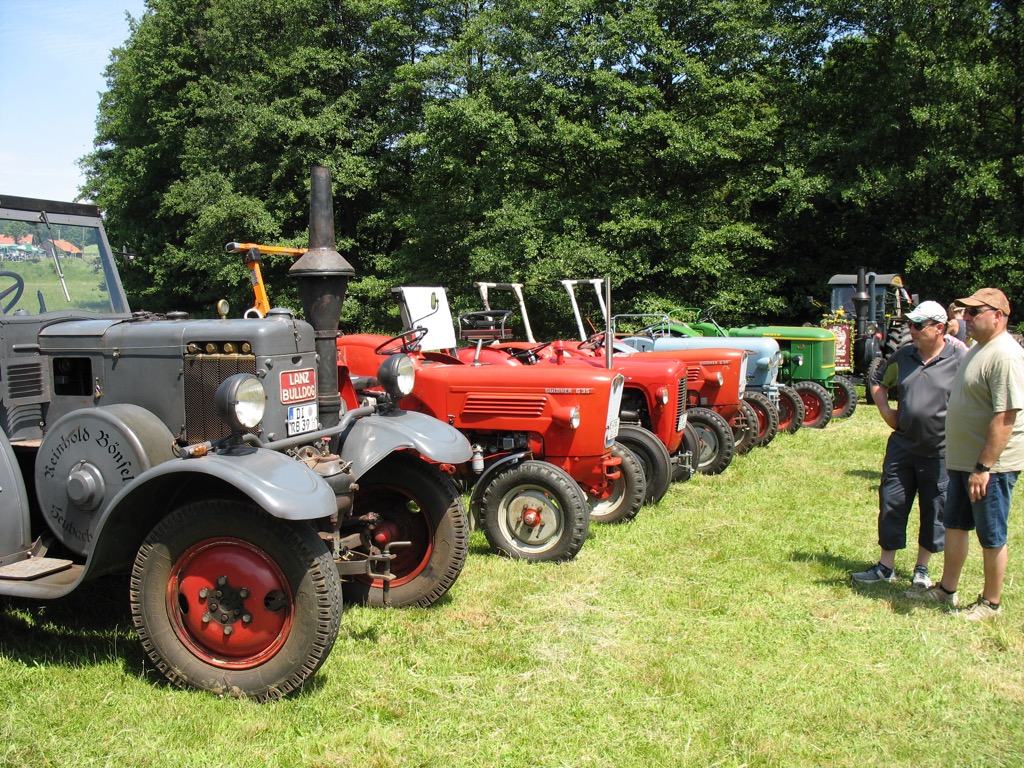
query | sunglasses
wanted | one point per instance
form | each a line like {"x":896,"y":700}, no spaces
{"x":921,"y":326}
{"x":975,"y":311}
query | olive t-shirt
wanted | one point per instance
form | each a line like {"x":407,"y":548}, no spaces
{"x":990,"y":381}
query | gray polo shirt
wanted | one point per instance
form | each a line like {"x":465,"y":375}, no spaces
{"x":923,"y":394}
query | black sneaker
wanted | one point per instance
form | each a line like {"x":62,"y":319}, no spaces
{"x":874,"y":574}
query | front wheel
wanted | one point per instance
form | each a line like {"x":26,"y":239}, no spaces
{"x":817,"y":404}
{"x":534,"y":511}
{"x":653,"y":457}
{"x":791,"y":410}
{"x":844,"y":397}
{"x":411,"y":501}
{"x":767,"y":417}
{"x":627,"y":492}
{"x":687,"y":456}
{"x":716,"y":442}
{"x":744,"y":428}
{"x":228,"y":599}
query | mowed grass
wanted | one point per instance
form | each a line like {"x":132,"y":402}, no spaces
{"x":719,"y":628}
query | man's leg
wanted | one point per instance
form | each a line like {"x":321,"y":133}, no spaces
{"x":895,"y":499}
{"x":957,"y":543}
{"x":958,"y":516}
{"x":995,"y":570}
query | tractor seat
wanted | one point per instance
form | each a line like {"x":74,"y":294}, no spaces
{"x":484,"y":325}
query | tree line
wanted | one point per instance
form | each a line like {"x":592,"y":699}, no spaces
{"x":703,"y":153}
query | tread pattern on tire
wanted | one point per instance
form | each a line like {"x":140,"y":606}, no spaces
{"x":766,"y":409}
{"x":819,"y":393}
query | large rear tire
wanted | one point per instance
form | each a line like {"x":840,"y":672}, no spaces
{"x":767,"y":417}
{"x":817,"y":404}
{"x":716,"y":442}
{"x":844,"y":397}
{"x":534,"y":511}
{"x":412,"y":502}
{"x":653,"y":457}
{"x":791,"y":410}
{"x":627,"y":494}
{"x":227,"y":599}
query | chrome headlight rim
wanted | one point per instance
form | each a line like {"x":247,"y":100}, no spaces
{"x":241,"y":402}
{"x":397,"y":375}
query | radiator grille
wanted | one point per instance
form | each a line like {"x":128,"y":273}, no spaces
{"x":504,"y":405}
{"x":680,"y":405}
{"x":203,"y":374}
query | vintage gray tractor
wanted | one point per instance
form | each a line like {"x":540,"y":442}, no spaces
{"x":866,"y":314}
{"x":211,"y":461}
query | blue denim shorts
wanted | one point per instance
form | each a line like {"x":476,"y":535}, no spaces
{"x":989,"y":514}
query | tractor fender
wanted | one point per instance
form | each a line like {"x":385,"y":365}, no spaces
{"x":485,"y":478}
{"x":278,"y":484}
{"x":15,"y":530}
{"x":372,"y":438}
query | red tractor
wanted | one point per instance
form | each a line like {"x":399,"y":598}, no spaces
{"x":719,"y":420}
{"x":545,"y":459}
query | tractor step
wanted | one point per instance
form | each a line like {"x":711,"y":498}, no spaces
{"x":33,"y":568}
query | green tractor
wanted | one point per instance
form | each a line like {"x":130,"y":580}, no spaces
{"x":866,"y":314}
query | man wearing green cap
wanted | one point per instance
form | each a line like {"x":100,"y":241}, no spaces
{"x":984,"y":452}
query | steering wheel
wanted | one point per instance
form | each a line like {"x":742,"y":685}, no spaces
{"x":594,"y":343}
{"x":407,"y":341}
{"x":528,"y":355}
{"x":17,"y":289}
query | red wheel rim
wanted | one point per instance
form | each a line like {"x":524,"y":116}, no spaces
{"x":229,"y":603}
{"x":838,"y":400}
{"x":812,"y":407}
{"x":402,"y":520}
{"x":786,"y":414}
{"x":762,"y":420}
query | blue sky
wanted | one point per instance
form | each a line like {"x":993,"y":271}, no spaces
{"x":51,"y":75}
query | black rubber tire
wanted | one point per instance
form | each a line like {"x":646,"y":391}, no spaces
{"x":686,"y":458}
{"x":653,"y":457}
{"x":564,"y":513}
{"x":844,"y":397}
{"x":280,"y":574}
{"x":791,"y":410}
{"x":716,"y":442}
{"x":817,"y":404}
{"x":628,"y":492}
{"x":426,"y":509}
{"x":767,"y":417}
{"x":744,"y":429}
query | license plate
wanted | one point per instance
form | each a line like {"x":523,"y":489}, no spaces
{"x":301,"y":418}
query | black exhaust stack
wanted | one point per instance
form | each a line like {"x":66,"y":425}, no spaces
{"x":323,"y":274}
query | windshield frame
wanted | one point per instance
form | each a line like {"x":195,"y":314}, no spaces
{"x":49,"y":213}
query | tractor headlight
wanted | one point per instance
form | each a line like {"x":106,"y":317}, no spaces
{"x":575,"y":417}
{"x":397,"y":375}
{"x":798,"y":360}
{"x":662,"y":395}
{"x":240,"y":401}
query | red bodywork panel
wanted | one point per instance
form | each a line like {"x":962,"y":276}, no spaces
{"x":494,"y":406}
{"x":646,"y":378}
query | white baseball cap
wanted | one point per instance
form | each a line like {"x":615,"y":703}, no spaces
{"x":927,"y":310}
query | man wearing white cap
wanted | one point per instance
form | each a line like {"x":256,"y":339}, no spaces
{"x":985,"y":431}
{"x":923,"y":371}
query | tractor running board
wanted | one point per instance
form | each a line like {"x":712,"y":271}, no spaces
{"x":33,"y":568}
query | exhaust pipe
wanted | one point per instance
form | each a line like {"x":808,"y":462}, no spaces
{"x":323,"y":275}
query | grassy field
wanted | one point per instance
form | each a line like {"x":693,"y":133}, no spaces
{"x":720,"y":628}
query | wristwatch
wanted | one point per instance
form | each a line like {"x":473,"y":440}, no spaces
{"x":979,"y":467}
